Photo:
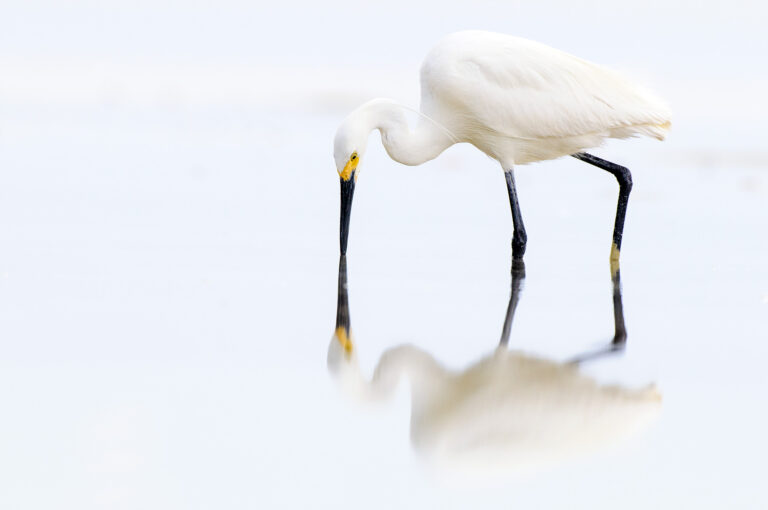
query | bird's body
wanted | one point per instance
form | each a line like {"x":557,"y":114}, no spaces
{"x":520,"y":101}
{"x":516,"y":100}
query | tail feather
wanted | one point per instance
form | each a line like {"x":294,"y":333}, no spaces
{"x":657,"y":131}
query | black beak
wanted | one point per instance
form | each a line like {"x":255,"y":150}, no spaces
{"x":347,"y":191}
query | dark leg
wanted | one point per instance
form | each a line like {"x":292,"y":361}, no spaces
{"x":519,"y":237}
{"x":518,"y":275}
{"x":625,"y":186}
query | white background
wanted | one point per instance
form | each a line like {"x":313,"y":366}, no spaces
{"x":169,"y":237}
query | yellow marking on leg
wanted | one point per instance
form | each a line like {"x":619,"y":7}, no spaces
{"x":614,"y":259}
{"x":344,"y":339}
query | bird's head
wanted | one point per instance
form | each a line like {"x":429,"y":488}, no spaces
{"x":348,"y":148}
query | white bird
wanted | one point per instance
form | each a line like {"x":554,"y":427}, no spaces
{"x":516,"y":100}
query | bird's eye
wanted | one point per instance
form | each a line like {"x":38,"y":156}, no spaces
{"x":354,"y":157}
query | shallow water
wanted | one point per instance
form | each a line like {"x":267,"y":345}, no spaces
{"x":168,"y":302}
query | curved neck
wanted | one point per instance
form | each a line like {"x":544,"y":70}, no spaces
{"x":417,"y":366}
{"x":406,"y":144}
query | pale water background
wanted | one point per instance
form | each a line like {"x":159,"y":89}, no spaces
{"x":169,"y":243}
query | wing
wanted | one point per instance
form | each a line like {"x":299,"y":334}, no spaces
{"x":519,"y":88}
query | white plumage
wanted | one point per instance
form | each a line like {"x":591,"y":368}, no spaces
{"x":521,"y":101}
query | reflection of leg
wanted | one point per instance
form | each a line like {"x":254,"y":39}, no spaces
{"x":619,"y":329}
{"x":519,"y":237}
{"x":625,"y":186}
{"x":518,"y":275}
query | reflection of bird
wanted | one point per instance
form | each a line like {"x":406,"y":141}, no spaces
{"x":507,"y":413}
{"x":517,"y":101}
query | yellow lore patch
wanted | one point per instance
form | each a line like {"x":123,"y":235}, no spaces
{"x":350,"y":167}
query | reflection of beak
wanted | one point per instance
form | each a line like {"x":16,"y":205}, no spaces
{"x":342,"y":332}
{"x":347,"y":191}
{"x":345,"y":339}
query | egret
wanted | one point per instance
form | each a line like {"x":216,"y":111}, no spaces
{"x":509,"y":412}
{"x":516,"y":100}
